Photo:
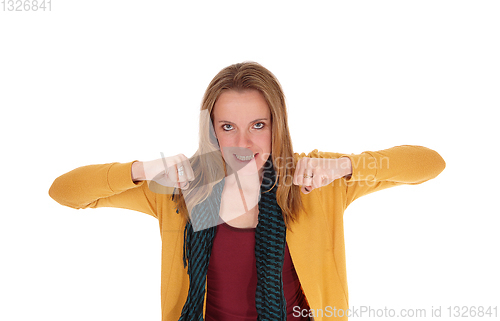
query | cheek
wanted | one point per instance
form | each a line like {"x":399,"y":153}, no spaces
{"x":266,"y":142}
{"x":223,"y":143}
{"x":227,"y":142}
{"x":219,"y":137}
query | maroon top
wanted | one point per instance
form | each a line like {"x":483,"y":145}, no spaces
{"x":232,"y":278}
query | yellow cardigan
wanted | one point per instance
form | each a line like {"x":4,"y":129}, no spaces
{"x":315,"y":241}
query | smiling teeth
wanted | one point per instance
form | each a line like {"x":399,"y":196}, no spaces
{"x":244,"y":158}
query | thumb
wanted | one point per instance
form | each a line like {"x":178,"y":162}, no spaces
{"x":306,"y":189}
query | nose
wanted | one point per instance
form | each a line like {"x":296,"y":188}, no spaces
{"x":244,"y":140}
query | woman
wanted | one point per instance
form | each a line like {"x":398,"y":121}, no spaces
{"x":250,"y":229}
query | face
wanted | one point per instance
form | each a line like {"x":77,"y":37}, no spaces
{"x":242,"y":123}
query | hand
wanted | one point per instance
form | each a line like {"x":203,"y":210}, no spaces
{"x":174,"y":171}
{"x":314,"y":173}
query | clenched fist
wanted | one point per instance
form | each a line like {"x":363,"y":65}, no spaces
{"x":174,"y":171}
{"x":314,"y":173}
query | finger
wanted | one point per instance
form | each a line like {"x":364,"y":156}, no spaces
{"x":182,"y":181}
{"x":308,"y":174}
{"x":188,"y":170}
{"x":306,"y":189}
{"x":181,"y":171}
{"x":318,"y":180}
{"x":172,"y":172}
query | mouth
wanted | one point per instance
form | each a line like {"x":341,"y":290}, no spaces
{"x":242,"y":158}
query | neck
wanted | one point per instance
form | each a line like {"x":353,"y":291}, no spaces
{"x":247,"y":183}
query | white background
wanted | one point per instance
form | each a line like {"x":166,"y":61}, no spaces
{"x":102,"y":81}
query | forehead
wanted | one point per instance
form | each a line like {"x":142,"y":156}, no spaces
{"x":241,"y":105}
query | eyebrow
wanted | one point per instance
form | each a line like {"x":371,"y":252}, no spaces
{"x":253,"y":121}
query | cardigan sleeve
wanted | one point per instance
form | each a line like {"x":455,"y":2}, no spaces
{"x":376,"y":170}
{"x":104,"y":185}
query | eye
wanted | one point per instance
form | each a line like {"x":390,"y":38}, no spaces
{"x":259,"y":125}
{"x":226,"y":128}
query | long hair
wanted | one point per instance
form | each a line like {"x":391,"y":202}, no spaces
{"x":208,"y":164}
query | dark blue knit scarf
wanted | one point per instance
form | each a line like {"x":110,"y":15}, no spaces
{"x":270,"y":238}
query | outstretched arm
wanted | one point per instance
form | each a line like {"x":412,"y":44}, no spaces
{"x":103,"y":185}
{"x":369,"y":171}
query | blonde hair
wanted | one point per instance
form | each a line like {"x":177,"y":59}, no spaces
{"x":208,"y":164}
